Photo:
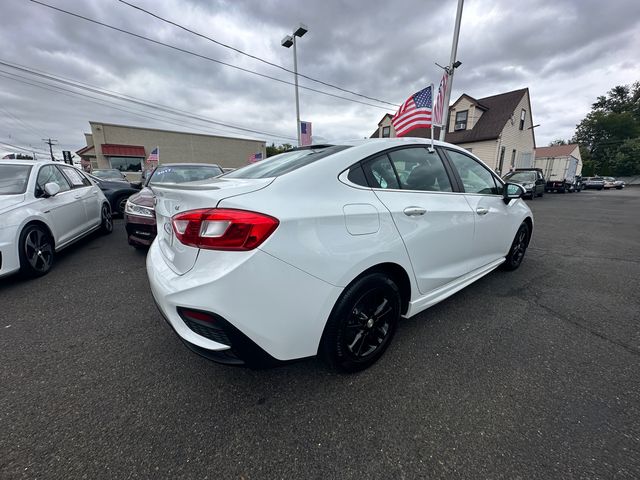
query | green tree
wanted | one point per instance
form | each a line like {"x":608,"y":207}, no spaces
{"x":610,"y":132}
{"x":275,"y":150}
{"x":558,"y":141}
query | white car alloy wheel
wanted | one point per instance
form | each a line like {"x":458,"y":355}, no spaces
{"x":106,"y":219}
{"x":36,"y":251}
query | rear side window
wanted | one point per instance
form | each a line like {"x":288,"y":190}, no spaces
{"x":76,"y":178}
{"x":284,"y":163}
{"x":418,"y":169}
{"x":475,"y":177}
{"x":380,"y":173}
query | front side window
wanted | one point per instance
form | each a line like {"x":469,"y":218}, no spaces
{"x":523,"y":115}
{"x":386,"y":132}
{"x":50,"y":174}
{"x":14,"y":179}
{"x":461,"y":120}
{"x":418,"y":169}
{"x":475,"y":177}
{"x":126,"y":164}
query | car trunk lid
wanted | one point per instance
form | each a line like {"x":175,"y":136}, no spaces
{"x":172,"y":199}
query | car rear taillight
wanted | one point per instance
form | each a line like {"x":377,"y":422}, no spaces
{"x":223,"y":229}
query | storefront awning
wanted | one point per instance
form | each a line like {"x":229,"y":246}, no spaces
{"x":116,"y":150}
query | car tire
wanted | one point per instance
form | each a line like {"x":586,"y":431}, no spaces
{"x":120,"y":203}
{"x":362,"y":323}
{"x":518,"y":248}
{"x":541,"y":194}
{"x":36,"y":251}
{"x":106,"y":222}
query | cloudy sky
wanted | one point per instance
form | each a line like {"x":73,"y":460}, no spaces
{"x":567,"y":52}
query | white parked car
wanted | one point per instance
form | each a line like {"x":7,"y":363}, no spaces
{"x":322,"y":250}
{"x":44,"y":207}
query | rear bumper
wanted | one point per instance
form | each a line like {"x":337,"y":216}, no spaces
{"x":140,"y":230}
{"x":267,"y":309}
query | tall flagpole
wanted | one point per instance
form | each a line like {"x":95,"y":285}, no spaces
{"x":450,"y":69}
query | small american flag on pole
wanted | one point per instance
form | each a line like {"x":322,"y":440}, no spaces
{"x":256,"y":157}
{"x":305,"y":133}
{"x":438,"y":108}
{"x":154,"y":158}
{"x":414,"y":113}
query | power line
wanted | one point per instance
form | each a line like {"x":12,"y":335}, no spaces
{"x":204,"y":57}
{"x":186,"y":29}
{"x":126,"y":98}
{"x":24,"y":125}
{"x":98,"y":101}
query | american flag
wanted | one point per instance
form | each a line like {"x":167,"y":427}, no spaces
{"x":153,"y":158}
{"x":414,"y":113}
{"x":438,"y":108}
{"x":256,"y":157}
{"x":305,"y":133}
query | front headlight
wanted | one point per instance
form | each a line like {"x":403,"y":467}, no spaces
{"x":134,"y":209}
{"x":529,"y":185}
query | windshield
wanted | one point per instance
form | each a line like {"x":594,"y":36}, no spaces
{"x":14,"y":179}
{"x":523,"y":177}
{"x":284,"y":163}
{"x":183,"y":173}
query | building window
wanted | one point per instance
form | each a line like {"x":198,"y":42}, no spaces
{"x":126,"y":164}
{"x":461,"y":120}
{"x":501,"y":162}
{"x":513,"y":158}
{"x":386,"y":132}
{"x":523,"y":115}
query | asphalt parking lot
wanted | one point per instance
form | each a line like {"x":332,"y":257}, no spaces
{"x":529,"y":374}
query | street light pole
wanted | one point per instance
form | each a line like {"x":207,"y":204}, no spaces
{"x":452,"y":66}
{"x":295,"y":70}
{"x":287,"y":42}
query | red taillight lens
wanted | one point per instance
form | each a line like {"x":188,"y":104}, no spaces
{"x":223,"y":229}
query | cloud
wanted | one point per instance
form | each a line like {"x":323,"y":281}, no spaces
{"x":567,"y":53}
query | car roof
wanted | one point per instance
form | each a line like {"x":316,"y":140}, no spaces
{"x":195,"y":164}
{"x":30,"y":162}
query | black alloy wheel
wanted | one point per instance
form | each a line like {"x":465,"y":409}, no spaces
{"x":106,"y":226}
{"x":121,"y":204}
{"x":518,"y":248}
{"x":36,"y":251}
{"x":362,"y":323}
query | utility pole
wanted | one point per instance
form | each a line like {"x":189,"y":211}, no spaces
{"x":452,"y":66}
{"x":51,"y":143}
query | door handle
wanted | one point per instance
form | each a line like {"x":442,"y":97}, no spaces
{"x":414,"y":211}
{"x":482,"y":211}
{"x":77,"y":197}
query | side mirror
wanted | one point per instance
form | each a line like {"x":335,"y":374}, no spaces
{"x":512,"y":190}
{"x":51,"y":189}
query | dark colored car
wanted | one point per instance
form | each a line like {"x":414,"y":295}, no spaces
{"x":593,"y":182}
{"x":140,"y":215}
{"x":109,"y":174}
{"x":531,"y":179}
{"x":116,"y":191}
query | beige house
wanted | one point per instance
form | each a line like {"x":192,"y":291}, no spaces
{"x":497,"y":129}
{"x":559,"y":162}
{"x":126,"y":148}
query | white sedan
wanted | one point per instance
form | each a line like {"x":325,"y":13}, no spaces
{"x":44,"y":207}
{"x":323,"y":250}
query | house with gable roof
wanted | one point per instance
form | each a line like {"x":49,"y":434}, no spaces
{"x":497,"y":129}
